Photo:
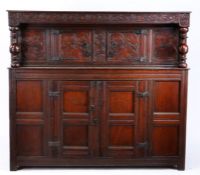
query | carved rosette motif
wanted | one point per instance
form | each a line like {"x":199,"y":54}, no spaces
{"x":14,"y":47}
{"x":183,"y":48}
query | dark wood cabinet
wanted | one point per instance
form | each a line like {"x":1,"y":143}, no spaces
{"x":98,"y":89}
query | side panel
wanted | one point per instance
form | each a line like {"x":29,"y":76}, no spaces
{"x":30,"y":118}
{"x":166,"y":118}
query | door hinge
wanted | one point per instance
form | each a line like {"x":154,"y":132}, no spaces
{"x":54,"y":93}
{"x":143,"y":94}
{"x":91,"y":108}
{"x":142,"y":145}
{"x":54,"y":143}
{"x":54,"y":58}
{"x":140,"y":31}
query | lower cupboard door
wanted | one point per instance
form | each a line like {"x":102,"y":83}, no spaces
{"x":123,"y":119}
{"x":77,"y":105}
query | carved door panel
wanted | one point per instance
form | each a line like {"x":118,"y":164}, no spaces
{"x":70,"y":45}
{"x":30,"y":118}
{"x":166,"y":118}
{"x":127,"y":46}
{"x":76,"y":112}
{"x":124,"y":119}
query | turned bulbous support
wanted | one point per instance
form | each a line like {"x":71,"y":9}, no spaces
{"x":15,"y":47}
{"x":183,"y":48}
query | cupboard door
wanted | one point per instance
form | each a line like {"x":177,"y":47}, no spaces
{"x":166,"y":118}
{"x":76,"y":112}
{"x":123,"y":120}
{"x":30,"y":118}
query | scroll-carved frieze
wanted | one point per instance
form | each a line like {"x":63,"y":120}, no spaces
{"x":182,"y":19}
{"x":183,"y":48}
{"x":15,"y":47}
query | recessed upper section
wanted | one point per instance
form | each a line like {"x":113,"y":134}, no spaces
{"x":98,"y":38}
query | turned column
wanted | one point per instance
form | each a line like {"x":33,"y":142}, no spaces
{"x":15,"y":47}
{"x":183,"y":48}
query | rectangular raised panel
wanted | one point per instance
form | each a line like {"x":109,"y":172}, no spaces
{"x":165,"y":140}
{"x":29,"y":96}
{"x":75,"y":101}
{"x":29,"y":140}
{"x":121,"y":136}
{"x":126,"y":46}
{"x":75,"y":135}
{"x":165,"y":45}
{"x":167,"y":96}
{"x":33,"y":45}
{"x":121,"y":102}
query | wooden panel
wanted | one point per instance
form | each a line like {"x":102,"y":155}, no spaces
{"x":75,"y":101}
{"x":121,"y":135}
{"x":167,"y":96}
{"x":29,"y":140}
{"x":165,"y":43}
{"x":33,"y":45}
{"x":121,"y":102}
{"x":29,"y":96}
{"x":75,"y":135}
{"x":165,"y":141}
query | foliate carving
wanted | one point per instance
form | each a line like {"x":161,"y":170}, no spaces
{"x":183,"y":48}
{"x":14,"y":47}
{"x":125,"y":45}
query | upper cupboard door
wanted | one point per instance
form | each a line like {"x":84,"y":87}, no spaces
{"x":99,"y":45}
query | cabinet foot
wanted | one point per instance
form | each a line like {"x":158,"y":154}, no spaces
{"x":14,"y":167}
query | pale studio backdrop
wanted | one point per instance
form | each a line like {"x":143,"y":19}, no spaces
{"x":193,"y":123}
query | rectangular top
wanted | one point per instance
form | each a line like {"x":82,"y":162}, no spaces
{"x":82,"y":17}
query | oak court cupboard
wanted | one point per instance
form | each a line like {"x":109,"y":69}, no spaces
{"x":102,"y":89}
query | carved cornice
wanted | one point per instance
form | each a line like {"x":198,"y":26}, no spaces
{"x":180,"y":18}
